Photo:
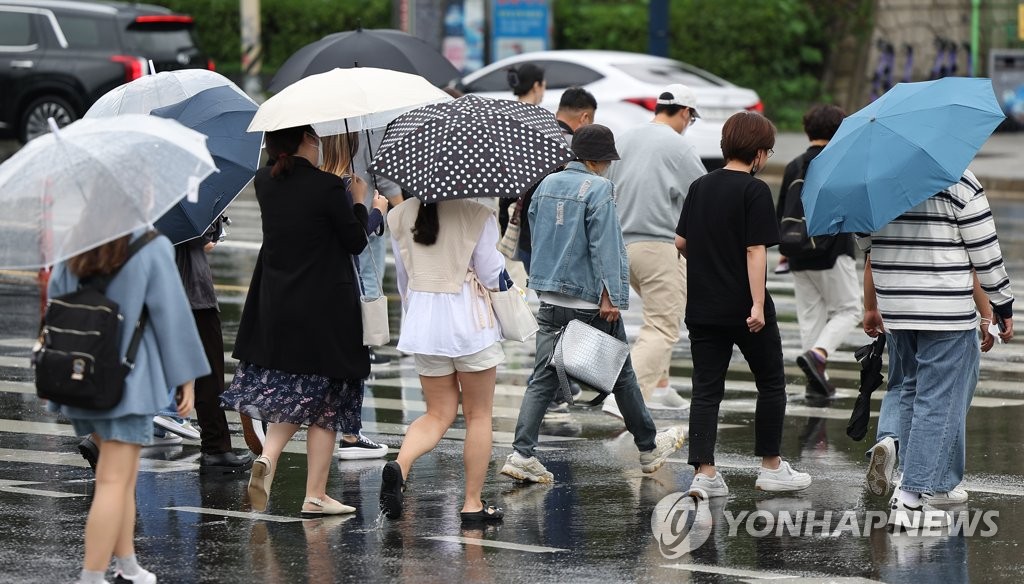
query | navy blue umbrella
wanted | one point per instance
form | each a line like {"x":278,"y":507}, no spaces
{"x":223,"y":115}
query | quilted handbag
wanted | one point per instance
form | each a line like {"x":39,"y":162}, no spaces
{"x":590,"y":356}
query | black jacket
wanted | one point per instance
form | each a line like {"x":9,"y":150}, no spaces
{"x":843,"y":243}
{"x":302,"y":314}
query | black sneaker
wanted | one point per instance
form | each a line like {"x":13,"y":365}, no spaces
{"x":224,"y":463}
{"x":363,"y":448}
{"x":378,"y":358}
{"x":391,"y":490}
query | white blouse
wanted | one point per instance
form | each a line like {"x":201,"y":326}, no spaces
{"x":452,"y":325}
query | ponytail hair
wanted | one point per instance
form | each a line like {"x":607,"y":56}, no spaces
{"x":282,"y":146}
{"x":522,"y":78}
{"x":426,"y":228}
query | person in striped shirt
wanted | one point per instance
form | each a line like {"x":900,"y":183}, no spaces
{"x":919,"y":291}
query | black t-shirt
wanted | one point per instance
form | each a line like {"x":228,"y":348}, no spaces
{"x":725,"y":212}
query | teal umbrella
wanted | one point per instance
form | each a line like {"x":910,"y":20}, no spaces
{"x":908,"y":145}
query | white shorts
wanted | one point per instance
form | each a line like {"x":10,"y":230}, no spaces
{"x":440,"y":365}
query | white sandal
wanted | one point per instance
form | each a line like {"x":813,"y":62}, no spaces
{"x":326,"y":507}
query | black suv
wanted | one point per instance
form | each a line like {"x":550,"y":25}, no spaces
{"x":57,"y":57}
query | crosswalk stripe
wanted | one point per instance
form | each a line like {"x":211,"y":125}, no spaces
{"x":252,"y":516}
{"x":21,"y":488}
{"x":534,"y":549}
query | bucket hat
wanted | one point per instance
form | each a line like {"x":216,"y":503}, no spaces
{"x":594,"y":142}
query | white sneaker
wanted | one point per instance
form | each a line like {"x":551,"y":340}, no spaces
{"x":526,"y":469}
{"x":167,"y":439}
{"x":714,"y":486}
{"x":611,"y":408}
{"x":915,"y":517}
{"x":667,"y":398}
{"x":180,"y":426}
{"x":880,"y":468}
{"x":781,"y":479}
{"x":665,"y":443}
{"x":142,"y":577}
{"x":957,"y":496}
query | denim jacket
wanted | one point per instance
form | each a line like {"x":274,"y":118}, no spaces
{"x":577,"y":240}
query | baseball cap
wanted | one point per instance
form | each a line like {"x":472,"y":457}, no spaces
{"x":594,"y":142}
{"x":679,"y":94}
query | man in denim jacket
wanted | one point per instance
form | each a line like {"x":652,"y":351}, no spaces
{"x":580,"y":271}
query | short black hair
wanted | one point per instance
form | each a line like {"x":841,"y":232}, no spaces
{"x":577,"y":99}
{"x":822,"y":121}
{"x":669,"y":109}
{"x":522,"y":78}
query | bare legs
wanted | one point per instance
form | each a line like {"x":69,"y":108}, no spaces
{"x":110,"y":527}
{"x":319,"y":451}
{"x":442,"y":397}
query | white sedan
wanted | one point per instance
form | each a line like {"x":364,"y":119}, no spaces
{"x":626,"y":86}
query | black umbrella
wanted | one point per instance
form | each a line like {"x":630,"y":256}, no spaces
{"x":870,"y":357}
{"x":380,"y":48}
{"x":471,"y":147}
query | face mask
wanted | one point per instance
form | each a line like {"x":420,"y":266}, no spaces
{"x":319,"y":151}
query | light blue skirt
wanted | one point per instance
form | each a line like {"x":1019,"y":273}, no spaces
{"x":131,"y":429}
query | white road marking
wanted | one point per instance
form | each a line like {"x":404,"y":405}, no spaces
{"x":12,"y":487}
{"x":252,"y":516}
{"x":533,"y":549}
{"x":755,"y":574}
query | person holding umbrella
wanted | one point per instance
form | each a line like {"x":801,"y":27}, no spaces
{"x":586,"y":281}
{"x":299,"y":343}
{"x":446,"y":258}
{"x":930,"y":319}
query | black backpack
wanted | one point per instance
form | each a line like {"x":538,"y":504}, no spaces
{"x":793,"y":239}
{"x":77,"y":359}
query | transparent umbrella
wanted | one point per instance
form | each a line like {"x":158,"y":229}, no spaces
{"x":94,"y":181}
{"x":147,"y":93}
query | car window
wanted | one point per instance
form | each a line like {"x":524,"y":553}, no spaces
{"x":494,"y":81}
{"x":561,"y":75}
{"x":16,"y":29}
{"x":86,"y":32}
{"x":160,"y":40}
{"x":668,"y":73}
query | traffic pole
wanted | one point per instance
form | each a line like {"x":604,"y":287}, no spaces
{"x":252,"y":48}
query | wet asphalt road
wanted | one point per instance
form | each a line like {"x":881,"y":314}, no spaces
{"x":593,"y":525}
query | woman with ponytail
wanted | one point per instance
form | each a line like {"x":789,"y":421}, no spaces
{"x":446,"y":258}
{"x":301,"y":357}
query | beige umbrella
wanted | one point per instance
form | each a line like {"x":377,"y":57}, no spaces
{"x":346,"y":100}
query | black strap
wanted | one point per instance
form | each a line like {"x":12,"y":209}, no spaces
{"x":133,"y":346}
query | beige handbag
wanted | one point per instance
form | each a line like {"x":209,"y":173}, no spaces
{"x":515,"y":319}
{"x":376,"y":328}
{"x":509,"y":244}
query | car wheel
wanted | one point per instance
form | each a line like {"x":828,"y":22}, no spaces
{"x":34,"y":121}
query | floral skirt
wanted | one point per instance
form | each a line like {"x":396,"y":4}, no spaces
{"x":290,"y":398}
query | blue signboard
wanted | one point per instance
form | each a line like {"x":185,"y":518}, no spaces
{"x":519,"y":26}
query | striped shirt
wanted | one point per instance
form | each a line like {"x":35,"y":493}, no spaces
{"x":921,"y":262}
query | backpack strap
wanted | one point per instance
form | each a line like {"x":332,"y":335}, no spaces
{"x":133,"y":346}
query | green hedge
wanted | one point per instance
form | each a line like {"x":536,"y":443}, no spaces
{"x":287,"y":25}
{"x":779,"y":48}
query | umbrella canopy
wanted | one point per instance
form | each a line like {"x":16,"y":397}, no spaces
{"x":147,"y":93}
{"x":94,"y":181}
{"x":870,"y":358}
{"x":471,"y":147}
{"x":207,"y":102}
{"x":911,"y":143}
{"x":379,"y":48}
{"x":344,"y":100}
{"x":222,"y":115}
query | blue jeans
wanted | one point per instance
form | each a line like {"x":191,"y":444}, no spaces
{"x":888,"y":414}
{"x":371,"y":266}
{"x":544,"y":384}
{"x":940,"y":374}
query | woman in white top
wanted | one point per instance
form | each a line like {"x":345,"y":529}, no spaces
{"x":446,"y":257}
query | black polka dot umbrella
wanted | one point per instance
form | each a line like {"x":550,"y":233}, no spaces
{"x":471,"y":147}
